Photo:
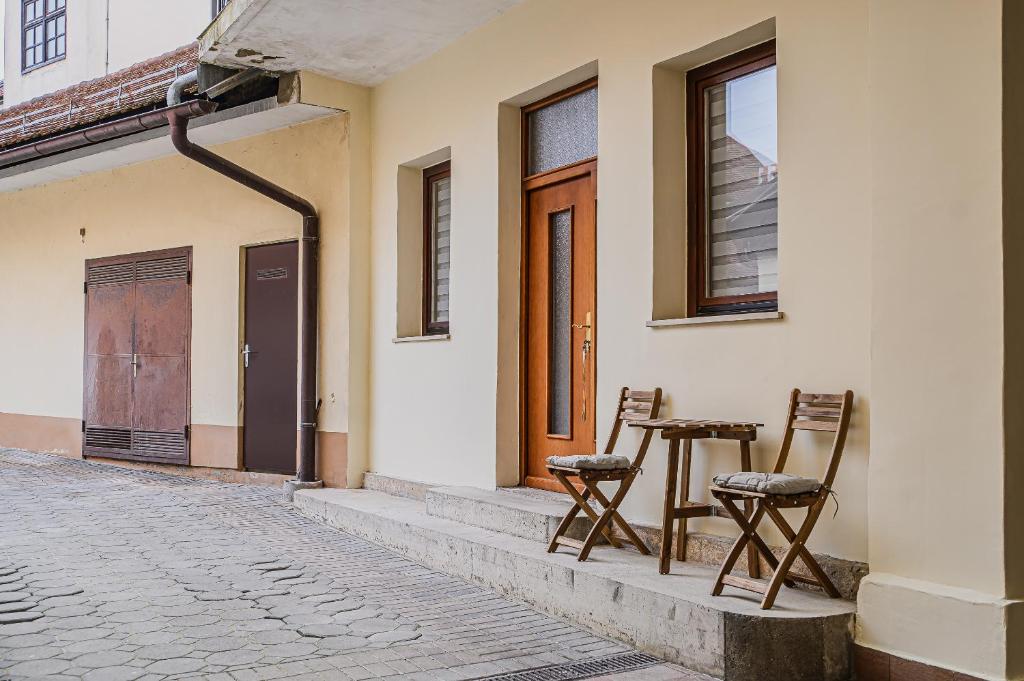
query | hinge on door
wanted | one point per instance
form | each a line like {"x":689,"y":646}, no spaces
{"x":188,"y":432}
{"x":83,"y":426}
{"x":188,"y":278}
{"x":85,"y":287}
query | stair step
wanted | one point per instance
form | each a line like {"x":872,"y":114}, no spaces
{"x":616,"y":593}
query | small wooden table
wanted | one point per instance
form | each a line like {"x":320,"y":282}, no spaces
{"x":688,"y":430}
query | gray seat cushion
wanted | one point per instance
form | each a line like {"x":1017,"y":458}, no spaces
{"x":768,"y":483}
{"x":593,"y":462}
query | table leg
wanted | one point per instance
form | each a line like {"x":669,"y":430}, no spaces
{"x":684,"y":497}
{"x":753,"y":560}
{"x":671,"y":475}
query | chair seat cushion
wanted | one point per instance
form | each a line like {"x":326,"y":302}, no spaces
{"x":593,"y":462}
{"x":768,"y":483}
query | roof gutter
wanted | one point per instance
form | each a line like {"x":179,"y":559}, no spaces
{"x":309,"y":292}
{"x":103,"y":132}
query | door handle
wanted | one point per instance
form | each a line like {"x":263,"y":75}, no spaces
{"x":245,"y":355}
{"x":587,"y":343}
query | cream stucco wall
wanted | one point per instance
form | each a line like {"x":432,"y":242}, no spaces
{"x":160,"y":204}
{"x":446,"y":393}
{"x":102,"y":36}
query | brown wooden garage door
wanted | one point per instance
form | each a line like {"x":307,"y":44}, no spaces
{"x":137,"y":328}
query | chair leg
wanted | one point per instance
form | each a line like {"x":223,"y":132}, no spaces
{"x":581,"y":501}
{"x":749,"y":534}
{"x":741,"y":542}
{"x":617,"y":518}
{"x":753,"y":565}
{"x":798,"y":543}
{"x":566,"y":523}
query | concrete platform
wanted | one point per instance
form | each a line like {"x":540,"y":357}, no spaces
{"x":617,"y":593}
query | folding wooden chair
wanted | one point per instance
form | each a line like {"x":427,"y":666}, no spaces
{"x":774,"y":491}
{"x":633,"y":405}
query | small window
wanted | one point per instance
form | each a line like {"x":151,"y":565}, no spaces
{"x":218,"y":6}
{"x":733,"y":179}
{"x":44,"y":32}
{"x":437,"y":217}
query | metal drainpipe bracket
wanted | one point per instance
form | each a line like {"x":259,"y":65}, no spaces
{"x":290,"y":487}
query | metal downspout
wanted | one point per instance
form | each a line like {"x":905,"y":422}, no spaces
{"x":308,"y":286}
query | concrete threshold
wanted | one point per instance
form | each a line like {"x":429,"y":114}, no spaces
{"x":617,"y":593}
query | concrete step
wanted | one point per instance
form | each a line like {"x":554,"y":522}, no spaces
{"x":535,"y":514}
{"x":616,"y":593}
{"x":527,"y":513}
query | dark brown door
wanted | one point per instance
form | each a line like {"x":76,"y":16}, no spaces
{"x":270,"y":353}
{"x":561,"y":318}
{"x":137,"y":326}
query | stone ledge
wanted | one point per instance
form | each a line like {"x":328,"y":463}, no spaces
{"x":617,"y":593}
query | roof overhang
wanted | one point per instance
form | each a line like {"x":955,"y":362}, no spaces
{"x":221,"y":126}
{"x":358,"y":41}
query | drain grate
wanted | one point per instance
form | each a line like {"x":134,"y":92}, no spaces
{"x":588,"y":669}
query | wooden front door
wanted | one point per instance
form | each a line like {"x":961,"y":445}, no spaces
{"x":137,"y":329}
{"x":561,"y":319}
{"x":270,"y":355}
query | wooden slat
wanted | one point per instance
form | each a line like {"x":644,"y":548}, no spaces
{"x":640,"y":394}
{"x":567,"y":541}
{"x":828,"y":426}
{"x":819,"y":398}
{"x":803,"y":579}
{"x":644,"y":406}
{"x":744,"y":583}
{"x":830,"y":412}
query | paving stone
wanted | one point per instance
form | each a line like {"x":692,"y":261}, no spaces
{"x":178,"y":665}
{"x":39,"y":667}
{"x":165,"y":651}
{"x":103,"y":658}
{"x":18,"y":617}
{"x":150,"y":576}
{"x":234,"y":657}
{"x":113,"y":674}
{"x":373,"y":626}
{"x":17,"y":606}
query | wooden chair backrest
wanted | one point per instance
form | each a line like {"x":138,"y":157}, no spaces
{"x":635,"y":405}
{"x":818,"y":412}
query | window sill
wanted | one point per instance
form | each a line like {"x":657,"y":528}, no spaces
{"x":716,"y":319}
{"x":423,"y":339}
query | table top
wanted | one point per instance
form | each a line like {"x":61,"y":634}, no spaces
{"x":682,"y":426}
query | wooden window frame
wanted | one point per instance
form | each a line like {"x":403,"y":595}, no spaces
{"x":698,"y":80}
{"x":41,"y":21}
{"x":431,"y":176}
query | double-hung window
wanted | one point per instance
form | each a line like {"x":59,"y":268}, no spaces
{"x":733,"y":184}
{"x":44,"y":32}
{"x":437,"y":220}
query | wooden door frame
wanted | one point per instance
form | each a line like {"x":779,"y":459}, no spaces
{"x":243,"y":273}
{"x":134,"y":257}
{"x":531,"y":183}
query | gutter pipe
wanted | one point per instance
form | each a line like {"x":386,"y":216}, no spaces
{"x":308,"y":407}
{"x":102,"y":132}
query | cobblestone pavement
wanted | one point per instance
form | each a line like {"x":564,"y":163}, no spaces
{"x":111,"y":574}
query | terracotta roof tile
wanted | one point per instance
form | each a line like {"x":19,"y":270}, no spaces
{"x":121,"y":92}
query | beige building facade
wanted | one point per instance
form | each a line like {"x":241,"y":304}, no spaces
{"x":897,"y":136}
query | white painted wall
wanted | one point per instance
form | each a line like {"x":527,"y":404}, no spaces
{"x":447,"y":395}
{"x":138,"y":30}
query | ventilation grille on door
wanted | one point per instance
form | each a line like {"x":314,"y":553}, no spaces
{"x":166,"y":445}
{"x":108,"y":438}
{"x":272,"y":273}
{"x":164,"y":268}
{"x":106,"y":275}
